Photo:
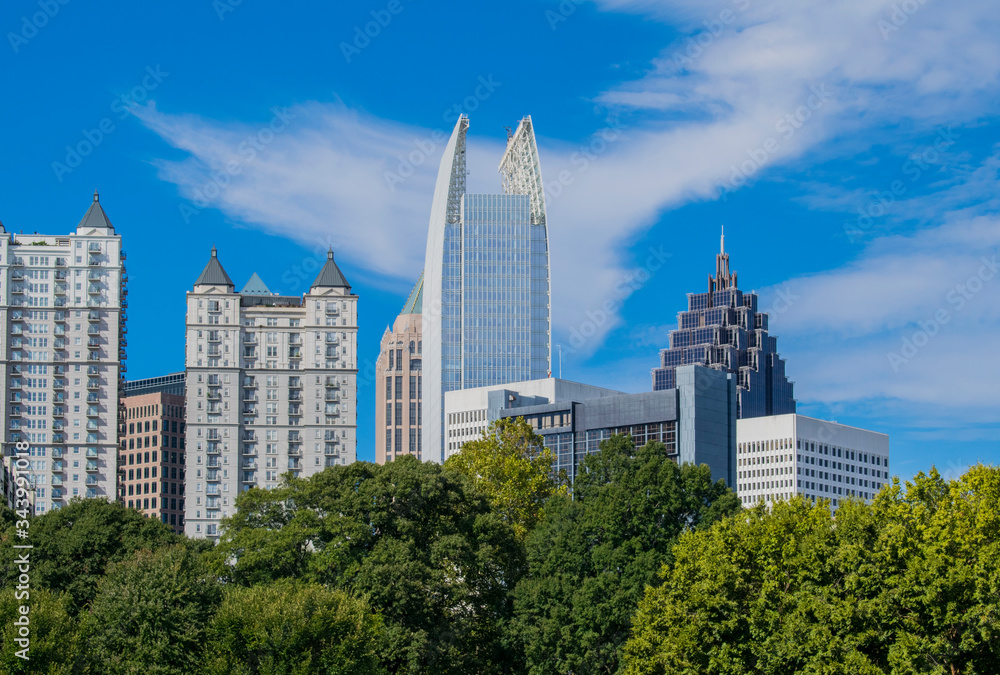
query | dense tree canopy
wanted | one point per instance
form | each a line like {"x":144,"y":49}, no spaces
{"x":509,"y":464}
{"x":414,"y":538}
{"x":73,"y":546}
{"x":591,"y":557}
{"x":151,"y":614}
{"x":293,"y":628}
{"x":910,"y":584}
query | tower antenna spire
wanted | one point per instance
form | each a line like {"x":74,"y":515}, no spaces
{"x":722,"y":240}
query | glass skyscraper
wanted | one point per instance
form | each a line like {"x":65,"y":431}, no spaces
{"x":486,"y":280}
{"x":723,"y":329}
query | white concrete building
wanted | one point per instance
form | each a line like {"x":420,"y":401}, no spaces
{"x":62,"y":302}
{"x":271,"y":387}
{"x":467,"y":412}
{"x":780,"y":456}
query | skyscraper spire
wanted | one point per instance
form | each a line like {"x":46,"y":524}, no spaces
{"x":722,"y":241}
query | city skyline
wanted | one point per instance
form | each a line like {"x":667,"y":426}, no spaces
{"x":854,"y":168}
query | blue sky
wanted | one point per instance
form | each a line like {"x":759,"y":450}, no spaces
{"x":850,"y":148}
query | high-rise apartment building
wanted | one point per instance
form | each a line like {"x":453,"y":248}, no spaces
{"x":151,"y":455}
{"x":486,"y":279}
{"x":398,"y":391}
{"x":271,"y":387}
{"x":62,"y":302}
{"x":724,"y":330}
{"x":781,"y":456}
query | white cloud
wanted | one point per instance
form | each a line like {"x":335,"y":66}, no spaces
{"x":675,"y":136}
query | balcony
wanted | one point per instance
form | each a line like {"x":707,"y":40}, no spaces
{"x":214,"y":351}
{"x":60,"y":262}
{"x":213,"y":475}
{"x":60,"y":289}
{"x":94,"y":342}
{"x":92,"y":411}
{"x":57,"y":411}
{"x":249,"y":410}
{"x":57,"y":480}
{"x":93,"y":315}
{"x":250,"y":437}
{"x":57,"y":452}
{"x":295,"y":353}
{"x":248,"y":464}
{"x":15,"y":411}
{"x":332,"y":311}
{"x":92,"y":480}
{"x":332,"y":383}
{"x":92,"y":467}
{"x":93,"y":385}
{"x":93,"y":289}
{"x":91,"y":453}
{"x":17,"y":289}
{"x":93,"y":275}
{"x":58,"y":466}
{"x":93,"y":356}
{"x":294,"y":411}
{"x":57,"y":383}
{"x":93,"y":370}
{"x":58,"y":438}
{"x":214,"y":395}
{"x":94,"y":261}
{"x":93,"y":438}
{"x":213,"y":306}
{"x":92,"y":425}
{"x":293,"y":437}
{"x":18,"y":275}
{"x":214,"y":338}
{"x":91,"y":493}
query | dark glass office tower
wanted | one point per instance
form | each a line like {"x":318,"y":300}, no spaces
{"x":722,"y":329}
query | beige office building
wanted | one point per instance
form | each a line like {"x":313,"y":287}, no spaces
{"x":271,"y":387}
{"x":399,"y":385}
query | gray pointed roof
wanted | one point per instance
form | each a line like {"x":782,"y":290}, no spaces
{"x":415,"y":302}
{"x":95,"y":217}
{"x":213,"y":274}
{"x":330,"y":276}
{"x":256,"y":286}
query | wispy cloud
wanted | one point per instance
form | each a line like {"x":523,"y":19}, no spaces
{"x":775,"y":83}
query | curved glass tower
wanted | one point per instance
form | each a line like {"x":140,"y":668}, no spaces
{"x":486,"y":279}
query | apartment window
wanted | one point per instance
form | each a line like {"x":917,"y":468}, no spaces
{"x":388,"y":388}
{"x":399,"y":386}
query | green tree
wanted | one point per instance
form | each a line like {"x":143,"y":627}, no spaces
{"x":416,"y":540}
{"x":907,"y":585}
{"x":55,"y":644}
{"x":151,"y":613}
{"x":513,"y":469}
{"x":73,"y":545}
{"x":591,"y":558}
{"x":291,"y":628}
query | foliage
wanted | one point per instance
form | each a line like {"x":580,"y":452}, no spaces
{"x":513,"y":469}
{"x":150,"y":614}
{"x":907,"y":585}
{"x":55,"y":645}
{"x":291,"y":628}
{"x":591,"y":558}
{"x":418,"y":541}
{"x":73,"y":545}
